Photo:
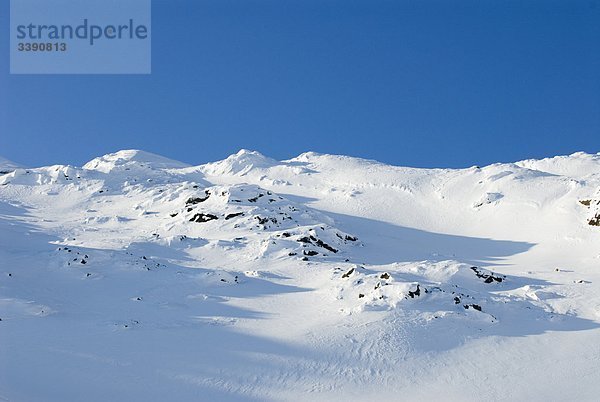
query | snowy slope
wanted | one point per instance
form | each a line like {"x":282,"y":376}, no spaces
{"x":136,"y":277}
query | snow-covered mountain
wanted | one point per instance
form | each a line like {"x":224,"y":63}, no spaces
{"x":136,"y":277}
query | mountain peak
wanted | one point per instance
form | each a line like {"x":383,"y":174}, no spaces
{"x":128,"y":157}
{"x":247,"y":152}
{"x":240,"y":163}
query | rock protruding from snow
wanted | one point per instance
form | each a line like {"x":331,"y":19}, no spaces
{"x":279,"y":225}
{"x":593,"y":207}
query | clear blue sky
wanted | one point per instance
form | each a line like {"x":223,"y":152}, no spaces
{"x":418,"y":83}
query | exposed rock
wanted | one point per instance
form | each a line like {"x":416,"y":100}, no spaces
{"x":200,"y":218}
{"x":347,"y":237}
{"x":488,"y":278}
{"x":473,"y":306}
{"x":321,"y":243}
{"x":197,"y":200}
{"x":417,"y":292}
{"x":347,"y":274}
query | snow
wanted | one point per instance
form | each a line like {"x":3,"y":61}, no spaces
{"x":7,"y":166}
{"x":240,"y":163}
{"x":578,"y":164}
{"x":126,"y":159}
{"x":136,"y":277}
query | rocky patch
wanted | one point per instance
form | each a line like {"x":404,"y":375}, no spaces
{"x":440,"y":289}
{"x":488,"y":277}
{"x":201,"y":218}
{"x":594,"y":206}
{"x":197,"y":200}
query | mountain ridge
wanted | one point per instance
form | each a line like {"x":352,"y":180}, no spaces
{"x":246,"y":158}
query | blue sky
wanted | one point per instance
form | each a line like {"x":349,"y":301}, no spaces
{"x":415,"y":83}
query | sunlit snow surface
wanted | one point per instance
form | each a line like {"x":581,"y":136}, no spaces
{"x":136,"y":277}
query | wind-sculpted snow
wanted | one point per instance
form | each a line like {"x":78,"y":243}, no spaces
{"x":137,"y":277}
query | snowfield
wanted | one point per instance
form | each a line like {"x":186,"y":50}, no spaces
{"x":140,"y":278}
